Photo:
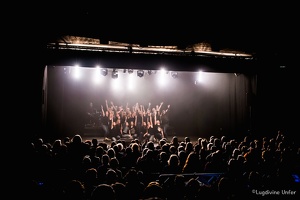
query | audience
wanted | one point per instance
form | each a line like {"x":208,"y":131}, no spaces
{"x":88,"y":170}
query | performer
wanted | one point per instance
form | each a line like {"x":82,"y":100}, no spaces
{"x":165,"y":121}
{"x":158,"y":131}
{"x":115,"y":130}
{"x":106,"y":120}
{"x":92,"y":115}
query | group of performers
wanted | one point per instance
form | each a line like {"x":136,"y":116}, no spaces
{"x":135,"y":122}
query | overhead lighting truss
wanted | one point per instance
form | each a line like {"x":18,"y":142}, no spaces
{"x":137,"y":49}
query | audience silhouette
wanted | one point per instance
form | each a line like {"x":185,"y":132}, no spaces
{"x":221,"y":167}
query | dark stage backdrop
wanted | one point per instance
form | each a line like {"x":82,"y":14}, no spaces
{"x":218,"y":104}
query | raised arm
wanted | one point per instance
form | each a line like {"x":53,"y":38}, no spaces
{"x":143,"y":109}
{"x":114,"y":107}
{"x":106,"y":104}
{"x":111,"y":122}
{"x":168,"y":108}
{"x":127,"y":107}
{"x":149,"y":105}
{"x":159,"y":107}
{"x":151,"y":121}
{"x":102,"y":110}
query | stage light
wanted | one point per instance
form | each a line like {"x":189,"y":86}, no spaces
{"x":103,"y":72}
{"x":149,"y":72}
{"x":174,"y":74}
{"x":140,"y":73}
{"x":114,"y":74}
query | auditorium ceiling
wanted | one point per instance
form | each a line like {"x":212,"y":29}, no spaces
{"x":247,"y":34}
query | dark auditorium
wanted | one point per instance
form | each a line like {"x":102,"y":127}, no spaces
{"x":171,"y":111}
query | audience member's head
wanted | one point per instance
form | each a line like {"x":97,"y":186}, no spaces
{"x":103,"y":191}
{"x":74,"y":190}
{"x":120,"y":190}
{"x":153,"y":190}
{"x":192,"y":188}
{"x":77,"y":139}
{"x":111,"y":176}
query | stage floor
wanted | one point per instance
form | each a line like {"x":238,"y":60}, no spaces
{"x":100,"y":138}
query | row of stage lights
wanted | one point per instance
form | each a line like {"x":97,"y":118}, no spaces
{"x":139,"y":73}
